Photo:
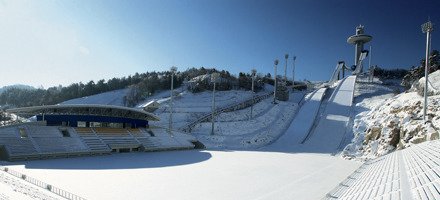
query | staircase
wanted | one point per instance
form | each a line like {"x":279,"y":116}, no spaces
{"x":93,"y":142}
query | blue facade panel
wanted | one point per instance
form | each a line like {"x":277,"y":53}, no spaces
{"x":72,"y":120}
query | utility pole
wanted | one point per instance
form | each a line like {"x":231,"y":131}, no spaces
{"x":427,"y":28}
{"x":173,"y":70}
{"x":275,"y":82}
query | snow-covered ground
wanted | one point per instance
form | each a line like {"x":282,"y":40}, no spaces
{"x":190,"y":106}
{"x":9,"y":118}
{"x":385,"y":121}
{"x":115,"y":98}
{"x":433,"y":84}
{"x":194,"y":174}
{"x":237,"y":164}
{"x":12,"y":188}
{"x":268,"y":123}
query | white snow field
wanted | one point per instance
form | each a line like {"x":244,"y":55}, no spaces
{"x":284,"y":169}
{"x":115,"y":98}
{"x":12,"y":188}
{"x":269,"y":122}
{"x":188,"y":106}
{"x":194,"y":175}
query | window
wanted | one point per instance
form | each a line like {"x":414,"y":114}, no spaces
{"x":65,"y":133}
{"x":23,"y":133}
{"x":82,"y":124}
{"x":115,"y":125}
{"x":95,"y":124}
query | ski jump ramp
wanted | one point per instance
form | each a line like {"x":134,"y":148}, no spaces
{"x":319,"y":126}
{"x":302,"y":123}
{"x":330,"y":130}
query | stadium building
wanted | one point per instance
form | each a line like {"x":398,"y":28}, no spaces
{"x":79,"y":130}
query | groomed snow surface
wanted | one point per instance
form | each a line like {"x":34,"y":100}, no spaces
{"x":194,"y":175}
{"x":239,"y":165}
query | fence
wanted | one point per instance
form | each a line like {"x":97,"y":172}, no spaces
{"x":42,"y":184}
{"x":228,"y":108}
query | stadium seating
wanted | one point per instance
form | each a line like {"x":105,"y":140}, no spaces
{"x":16,"y":147}
{"x":156,"y":139}
{"x":52,"y":143}
{"x":412,"y":173}
{"x":93,"y":141}
{"x":117,"y":138}
{"x":37,"y":141}
{"x":423,"y":164}
{"x":165,"y":141}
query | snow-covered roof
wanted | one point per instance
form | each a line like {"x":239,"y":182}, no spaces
{"x":85,"y":109}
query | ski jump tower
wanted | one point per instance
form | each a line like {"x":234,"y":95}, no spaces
{"x":359,"y":40}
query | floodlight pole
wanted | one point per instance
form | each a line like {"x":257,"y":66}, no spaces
{"x":173,"y":70}
{"x":293,"y":73}
{"x":427,"y":28}
{"x":275,"y":82}
{"x":213,"y":110}
{"x":369,"y":66}
{"x":214,"y":79}
{"x":285,"y":68}
{"x":253,"y":72}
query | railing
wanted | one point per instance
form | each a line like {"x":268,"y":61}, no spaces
{"x":42,"y":184}
{"x":228,"y":108}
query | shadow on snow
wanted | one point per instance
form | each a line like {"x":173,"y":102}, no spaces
{"x":135,"y":160}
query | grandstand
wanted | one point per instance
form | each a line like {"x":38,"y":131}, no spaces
{"x":79,"y":130}
{"x":413,"y":173}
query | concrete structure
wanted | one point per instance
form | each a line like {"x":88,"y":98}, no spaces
{"x":359,"y":40}
{"x":79,"y":130}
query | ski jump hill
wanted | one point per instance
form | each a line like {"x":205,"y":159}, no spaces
{"x":320,"y":125}
{"x":332,"y":125}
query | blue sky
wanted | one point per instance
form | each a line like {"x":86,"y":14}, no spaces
{"x":49,"y":43}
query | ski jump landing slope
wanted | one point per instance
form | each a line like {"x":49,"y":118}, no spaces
{"x":331,"y":128}
{"x":301,"y":124}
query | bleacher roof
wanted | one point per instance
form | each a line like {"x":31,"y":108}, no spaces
{"x":84,"y":109}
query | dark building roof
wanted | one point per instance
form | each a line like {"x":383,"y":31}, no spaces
{"x":84,"y":109}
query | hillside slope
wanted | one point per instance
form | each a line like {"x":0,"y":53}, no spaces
{"x":385,"y":123}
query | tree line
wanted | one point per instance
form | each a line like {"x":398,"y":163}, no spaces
{"x":415,"y":73}
{"x":141,"y":86}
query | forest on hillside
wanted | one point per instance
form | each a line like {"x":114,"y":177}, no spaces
{"x":141,"y":86}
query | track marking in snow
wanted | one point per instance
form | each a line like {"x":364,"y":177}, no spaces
{"x":289,"y":185}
